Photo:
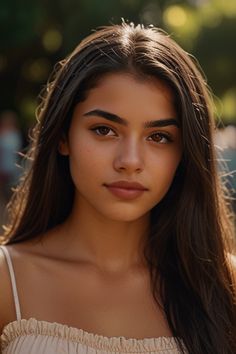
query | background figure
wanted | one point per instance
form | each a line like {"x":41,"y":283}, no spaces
{"x":10,"y":145}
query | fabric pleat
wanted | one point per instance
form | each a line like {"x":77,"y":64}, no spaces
{"x":41,"y":337}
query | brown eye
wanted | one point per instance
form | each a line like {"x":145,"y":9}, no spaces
{"x":160,"y":138}
{"x":103,"y":130}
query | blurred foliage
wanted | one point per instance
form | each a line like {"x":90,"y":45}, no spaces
{"x":36,"y":34}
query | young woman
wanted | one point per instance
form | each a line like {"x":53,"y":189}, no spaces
{"x":119,"y":239}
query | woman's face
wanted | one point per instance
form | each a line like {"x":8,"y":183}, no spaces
{"x":124,"y":147}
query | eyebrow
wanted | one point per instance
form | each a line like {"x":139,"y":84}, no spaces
{"x":115,"y":118}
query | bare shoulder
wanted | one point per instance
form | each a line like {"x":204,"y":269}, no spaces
{"x":7,"y":313}
{"x":16,"y":253}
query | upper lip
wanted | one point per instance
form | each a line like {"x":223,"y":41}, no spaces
{"x":126,"y":185}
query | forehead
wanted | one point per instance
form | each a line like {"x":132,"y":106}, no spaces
{"x":131,"y":97}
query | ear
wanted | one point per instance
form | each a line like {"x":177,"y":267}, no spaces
{"x":63,"y":147}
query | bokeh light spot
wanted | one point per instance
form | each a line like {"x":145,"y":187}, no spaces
{"x":227,"y":7}
{"x":185,"y":24}
{"x":229,"y":105}
{"x":175,"y":16}
{"x":27,"y":107}
{"x":52,"y":40}
{"x":210,"y":16}
{"x":37,"y":70}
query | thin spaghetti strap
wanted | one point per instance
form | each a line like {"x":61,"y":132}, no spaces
{"x":13,"y":281}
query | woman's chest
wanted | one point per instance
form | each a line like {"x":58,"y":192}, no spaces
{"x":109,"y":305}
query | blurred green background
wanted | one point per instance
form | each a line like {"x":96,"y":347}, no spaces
{"x":36,"y":34}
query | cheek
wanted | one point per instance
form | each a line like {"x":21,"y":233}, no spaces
{"x":172,"y":165}
{"x":167,"y":162}
{"x":84,"y":161}
{"x":164,"y":171}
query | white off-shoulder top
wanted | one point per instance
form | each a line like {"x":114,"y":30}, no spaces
{"x":31,"y":336}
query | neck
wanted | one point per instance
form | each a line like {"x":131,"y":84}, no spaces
{"x":108,"y":244}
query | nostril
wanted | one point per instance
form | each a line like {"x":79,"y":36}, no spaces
{"x":129,"y":166}
{"x":129,"y":156}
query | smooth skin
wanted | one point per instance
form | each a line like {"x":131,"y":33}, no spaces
{"x":89,"y":272}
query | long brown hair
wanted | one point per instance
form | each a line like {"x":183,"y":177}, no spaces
{"x":190,"y":235}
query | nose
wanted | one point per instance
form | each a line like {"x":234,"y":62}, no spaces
{"x":129,"y":157}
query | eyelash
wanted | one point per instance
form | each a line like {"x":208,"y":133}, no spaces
{"x":95,"y":129}
{"x":163,"y":135}
{"x":160,"y":134}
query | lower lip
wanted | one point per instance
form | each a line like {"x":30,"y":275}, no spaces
{"x":127,"y":194}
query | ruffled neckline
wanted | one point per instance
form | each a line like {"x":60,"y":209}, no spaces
{"x":33,"y":326}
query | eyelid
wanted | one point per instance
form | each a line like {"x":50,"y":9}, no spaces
{"x":160,"y":131}
{"x":100,"y":125}
{"x":162,"y":134}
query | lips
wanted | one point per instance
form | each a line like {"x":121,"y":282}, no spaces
{"x":126,"y":190}
{"x":127,"y":185}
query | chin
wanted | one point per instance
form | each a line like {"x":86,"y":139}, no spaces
{"x":125,"y":215}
